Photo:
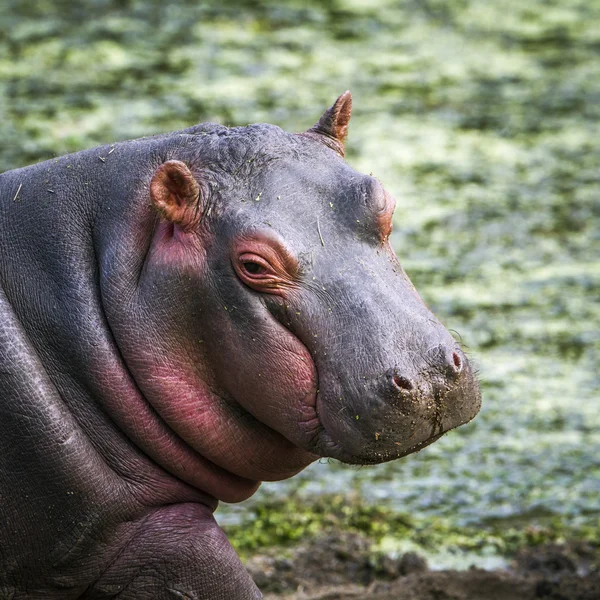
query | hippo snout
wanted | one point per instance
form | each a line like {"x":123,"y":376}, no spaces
{"x":403,"y":409}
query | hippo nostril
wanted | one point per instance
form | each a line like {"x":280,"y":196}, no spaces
{"x":402,"y":383}
{"x":457,"y":362}
{"x":454,"y":366}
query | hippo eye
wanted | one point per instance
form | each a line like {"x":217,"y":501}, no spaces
{"x":253,"y":268}
{"x":264,"y":266}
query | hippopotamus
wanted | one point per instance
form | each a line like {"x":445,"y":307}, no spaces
{"x":183,"y":317}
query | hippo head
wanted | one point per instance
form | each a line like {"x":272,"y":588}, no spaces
{"x":289,"y":316}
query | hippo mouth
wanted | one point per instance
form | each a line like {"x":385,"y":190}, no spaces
{"x":325,"y":445}
{"x":385,"y":429}
{"x":382,"y":457}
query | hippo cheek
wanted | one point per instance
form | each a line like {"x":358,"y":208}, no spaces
{"x":271,"y":375}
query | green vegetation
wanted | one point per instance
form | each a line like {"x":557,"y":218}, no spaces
{"x":280,"y":523}
{"x":481,"y":117}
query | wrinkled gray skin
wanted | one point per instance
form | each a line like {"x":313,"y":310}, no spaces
{"x":170,"y":336}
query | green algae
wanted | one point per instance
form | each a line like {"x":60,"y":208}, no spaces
{"x":482,"y":118}
{"x":285,"y":522}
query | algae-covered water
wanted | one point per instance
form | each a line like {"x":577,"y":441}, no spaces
{"x":483,"y":120}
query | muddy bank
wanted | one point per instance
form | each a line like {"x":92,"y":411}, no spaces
{"x":455,"y":585}
{"x":342,"y":567}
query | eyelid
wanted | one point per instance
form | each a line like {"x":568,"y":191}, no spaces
{"x":280,"y":266}
{"x":271,"y":250}
{"x":259,"y":260}
{"x":383,"y":215}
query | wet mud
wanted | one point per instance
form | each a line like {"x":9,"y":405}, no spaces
{"x":342,"y":567}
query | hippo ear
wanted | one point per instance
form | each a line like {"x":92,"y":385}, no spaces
{"x":175,"y":194}
{"x":332,"y":127}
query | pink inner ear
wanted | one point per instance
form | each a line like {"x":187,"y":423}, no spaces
{"x":177,"y":186}
{"x":175,"y":193}
{"x":342,"y":109}
{"x":332,"y":127}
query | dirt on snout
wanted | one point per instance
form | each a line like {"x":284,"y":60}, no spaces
{"x":342,"y":567}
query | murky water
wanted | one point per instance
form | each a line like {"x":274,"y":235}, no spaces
{"x":482,"y":118}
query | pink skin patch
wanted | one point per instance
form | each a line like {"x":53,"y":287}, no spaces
{"x":384,"y":213}
{"x":194,"y":473}
{"x":220,"y":432}
{"x":271,"y":374}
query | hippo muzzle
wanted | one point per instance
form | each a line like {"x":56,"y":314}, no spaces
{"x":396,"y":416}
